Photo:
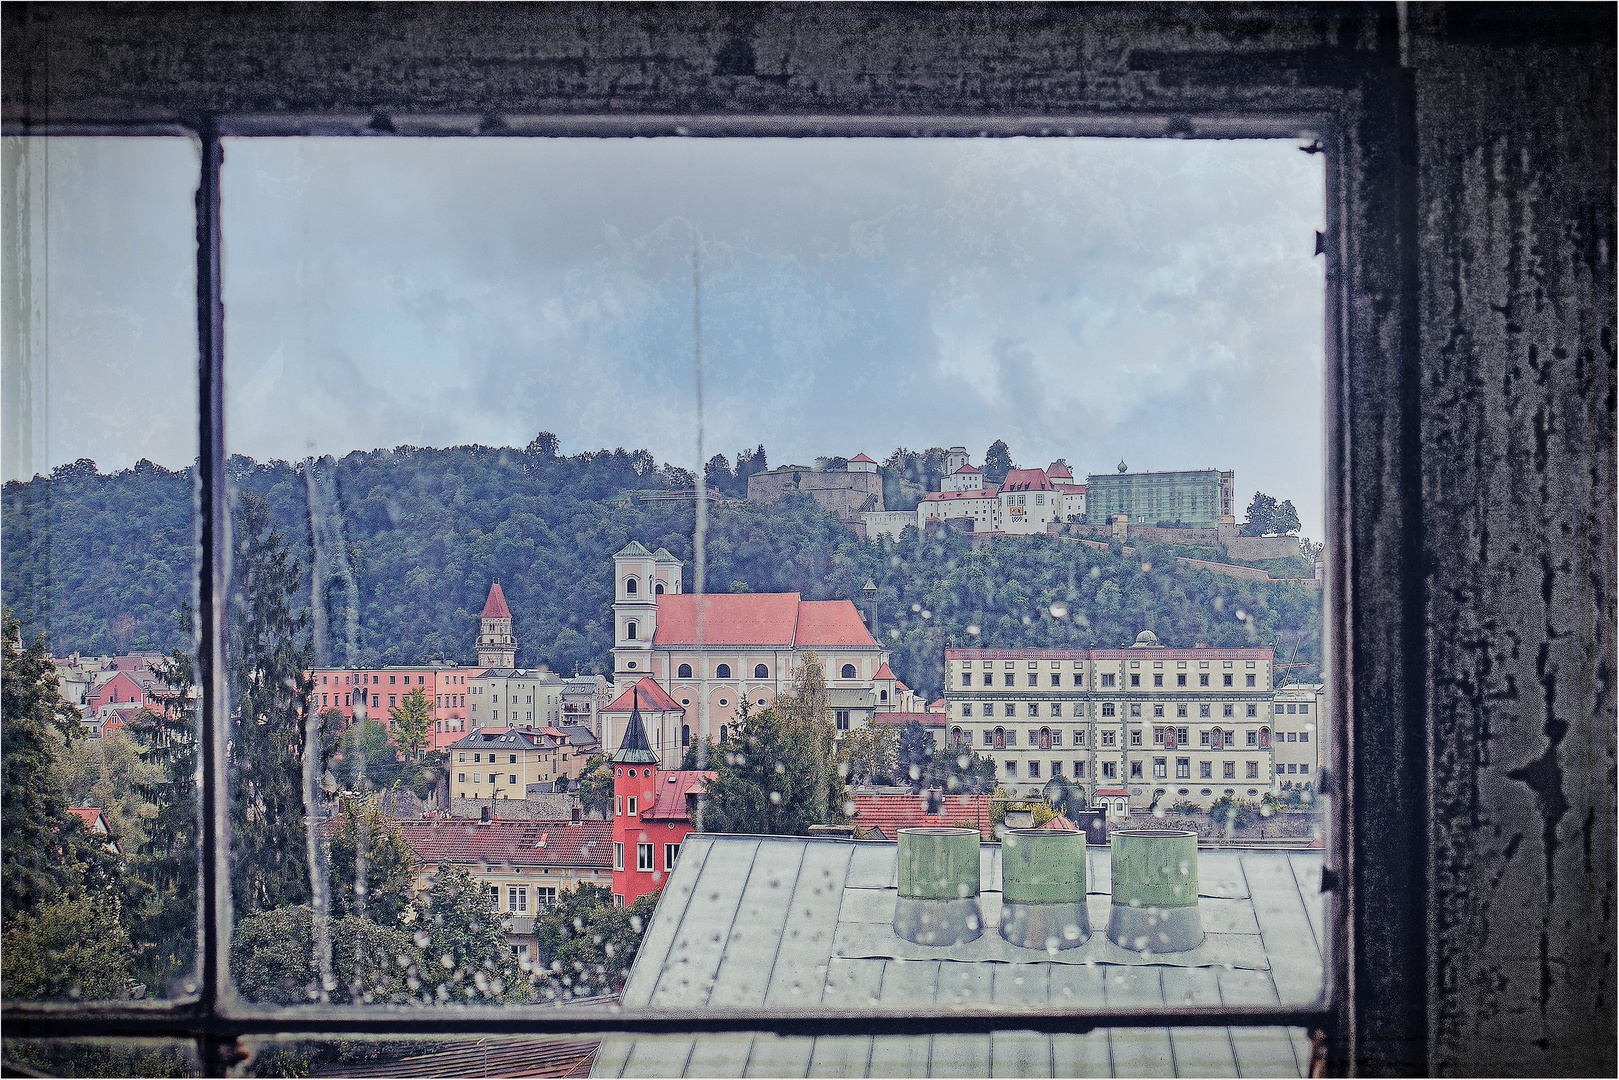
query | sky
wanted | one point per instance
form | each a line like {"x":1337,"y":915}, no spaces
{"x":1155,"y":302}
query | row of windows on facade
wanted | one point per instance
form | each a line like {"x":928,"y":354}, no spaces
{"x":1107,"y":679}
{"x":643,"y":857}
{"x":1109,"y":770}
{"x":1045,"y":738}
{"x":632,"y":588}
{"x":517,"y":897}
{"x":369,"y":679}
{"x":760,"y":671}
{"x":1107,"y":708}
{"x":455,"y":700}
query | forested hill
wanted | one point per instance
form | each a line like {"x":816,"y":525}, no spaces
{"x":405,"y":542}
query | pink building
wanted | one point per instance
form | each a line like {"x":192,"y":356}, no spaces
{"x":381,"y":688}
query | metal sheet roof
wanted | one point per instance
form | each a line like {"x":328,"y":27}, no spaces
{"x":749,"y":921}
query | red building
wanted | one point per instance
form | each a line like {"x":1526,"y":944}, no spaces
{"x":653,"y":811}
{"x":444,"y":687}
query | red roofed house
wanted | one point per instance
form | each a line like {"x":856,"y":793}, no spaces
{"x":711,"y":651}
{"x":1025,"y":502}
{"x":523,"y":864}
{"x":880,"y":815}
{"x":653,"y":811}
{"x":96,"y":821}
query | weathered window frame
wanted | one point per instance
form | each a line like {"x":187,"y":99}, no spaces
{"x":1357,"y":110}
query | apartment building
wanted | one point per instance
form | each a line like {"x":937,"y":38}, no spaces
{"x":500,"y":763}
{"x":380,"y":689}
{"x":1301,"y":720}
{"x":1163,"y":724}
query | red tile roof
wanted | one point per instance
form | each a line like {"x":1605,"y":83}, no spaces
{"x":760,"y":619}
{"x":515,"y":843}
{"x":92,"y":817}
{"x":669,"y":799}
{"x":862,"y":457}
{"x":652,"y":697}
{"x":1060,"y":823}
{"x":495,"y":607}
{"x":988,"y":491}
{"x":830,"y":623}
{"x":1113,"y":792}
{"x":1059,"y":468}
{"x":884,"y":672}
{"x":900,"y":719}
{"x":892,"y":812}
{"x":964,"y":469}
{"x":1026,"y":480}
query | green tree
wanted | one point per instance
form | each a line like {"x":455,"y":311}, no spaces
{"x":1285,"y":520}
{"x":269,"y":658}
{"x":70,"y":948}
{"x":412,"y":719}
{"x":467,"y":958}
{"x":589,"y":943}
{"x":997,"y":462}
{"x":869,"y":755}
{"x":596,"y":786}
{"x":1261,"y":511}
{"x":389,"y":862}
{"x":111,"y":773}
{"x":273,"y":959}
{"x":776,"y":770}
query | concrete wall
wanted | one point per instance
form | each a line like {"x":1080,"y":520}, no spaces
{"x":1255,"y":548}
{"x":843,"y":493}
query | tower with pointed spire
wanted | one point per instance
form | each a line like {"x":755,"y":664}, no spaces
{"x":635,"y":785}
{"x":497,"y":648}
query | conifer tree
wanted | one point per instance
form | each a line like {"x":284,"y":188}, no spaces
{"x":270,"y":657}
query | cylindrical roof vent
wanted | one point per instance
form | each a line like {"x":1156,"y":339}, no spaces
{"x":1043,"y":889}
{"x":938,"y":886}
{"x":1155,"y":890}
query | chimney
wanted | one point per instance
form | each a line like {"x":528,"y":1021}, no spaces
{"x":484,"y":819}
{"x":1043,"y":889}
{"x":578,"y":813}
{"x":1155,"y":890}
{"x":938,"y":887}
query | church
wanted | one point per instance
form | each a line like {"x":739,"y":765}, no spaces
{"x":696,"y":659}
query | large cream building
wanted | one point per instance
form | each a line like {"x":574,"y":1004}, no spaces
{"x":710,"y":653}
{"x":1160,"y":724}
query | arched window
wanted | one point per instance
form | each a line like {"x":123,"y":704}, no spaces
{"x":1045,"y":738}
{"x":657,"y":590}
{"x":882,"y":695}
{"x":1264,"y":738}
{"x":685,"y":734}
{"x":722,"y":733}
{"x":723,"y":671}
{"x":683,"y":671}
{"x":1000,"y":738}
{"x":629,"y":630}
{"x":760,"y":671}
{"x":847,"y":672}
{"x":955,"y":736}
{"x":629,"y":586}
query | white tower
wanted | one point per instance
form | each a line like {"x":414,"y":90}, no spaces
{"x":497,"y":648}
{"x":636,"y":585}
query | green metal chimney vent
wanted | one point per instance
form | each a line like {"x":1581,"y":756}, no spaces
{"x":1043,"y":889}
{"x":1155,"y":890}
{"x":938,"y":887}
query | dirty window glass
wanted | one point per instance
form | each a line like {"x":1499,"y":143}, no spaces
{"x":633,"y":539}
{"x":99,"y":548}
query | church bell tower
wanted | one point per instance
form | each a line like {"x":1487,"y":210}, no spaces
{"x":497,"y":648}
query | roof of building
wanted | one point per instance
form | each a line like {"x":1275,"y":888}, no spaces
{"x":1026,"y":480}
{"x":800,"y":922}
{"x":884,"y":672}
{"x":1060,"y":823}
{"x":988,"y":491}
{"x":669,"y":798}
{"x":1113,"y":792}
{"x":663,"y":555}
{"x":968,"y":468}
{"x":862,"y":457}
{"x":1169,"y":653}
{"x":93,"y":818}
{"x":579,"y":736}
{"x":632,"y":548}
{"x":635,"y":747}
{"x":478,"y":738}
{"x":1059,"y":469}
{"x":511,"y":1057}
{"x":513,"y":843}
{"x":495,"y":607}
{"x":760,"y":619}
{"x":648,"y":693}
{"x":900,"y":719}
{"x":891,"y":811}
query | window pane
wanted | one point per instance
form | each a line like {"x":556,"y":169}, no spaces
{"x":991,"y":407}
{"x":100,"y":569}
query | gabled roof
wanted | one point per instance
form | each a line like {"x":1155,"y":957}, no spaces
{"x":646,"y":692}
{"x":669,"y":798}
{"x":1026,"y":480}
{"x":632,"y":548}
{"x":662,"y":555}
{"x":93,"y":817}
{"x":495,"y":607}
{"x":884,"y":672}
{"x":579,"y":736}
{"x":760,"y":619}
{"x":900,"y":719}
{"x":892,"y":811}
{"x":988,"y":491}
{"x":1060,"y":823}
{"x":1113,"y":792}
{"x":862,"y":457}
{"x":516,"y":738}
{"x":965,"y":469}
{"x":1059,"y":468}
{"x":514,"y":843}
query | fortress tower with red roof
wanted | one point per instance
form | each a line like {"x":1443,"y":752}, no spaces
{"x":653,"y":810}
{"x":497,"y":648}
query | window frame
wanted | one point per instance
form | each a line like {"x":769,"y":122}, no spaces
{"x":1359,"y":117}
